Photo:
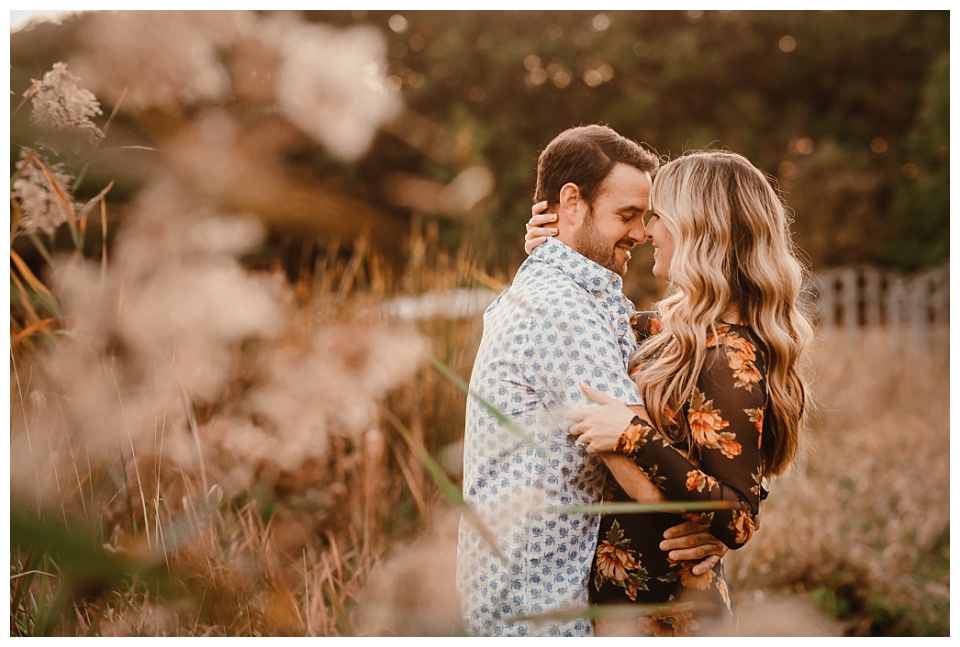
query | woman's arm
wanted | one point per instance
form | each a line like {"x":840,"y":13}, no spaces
{"x":726,"y":419}
{"x":690,"y":541}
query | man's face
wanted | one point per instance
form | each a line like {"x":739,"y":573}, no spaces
{"x":615,"y":223}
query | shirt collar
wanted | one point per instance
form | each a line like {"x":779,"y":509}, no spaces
{"x":589,"y":275}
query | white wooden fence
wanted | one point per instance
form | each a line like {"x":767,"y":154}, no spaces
{"x":856,"y":298}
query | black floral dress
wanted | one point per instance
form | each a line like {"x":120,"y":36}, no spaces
{"x":725,"y":418}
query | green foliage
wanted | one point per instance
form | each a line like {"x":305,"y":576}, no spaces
{"x":72,"y":562}
{"x":921,"y":212}
{"x":866,"y":92}
{"x":752,"y":81}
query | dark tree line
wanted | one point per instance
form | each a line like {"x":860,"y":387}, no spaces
{"x":849,"y":110}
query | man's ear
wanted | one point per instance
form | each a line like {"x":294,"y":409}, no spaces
{"x":573,"y":207}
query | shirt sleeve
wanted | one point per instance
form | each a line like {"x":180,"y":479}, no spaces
{"x":725,"y":415}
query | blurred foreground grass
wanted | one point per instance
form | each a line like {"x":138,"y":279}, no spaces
{"x":258,"y":504}
{"x":201,"y":449}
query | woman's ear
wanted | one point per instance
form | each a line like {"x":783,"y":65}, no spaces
{"x":572,"y":205}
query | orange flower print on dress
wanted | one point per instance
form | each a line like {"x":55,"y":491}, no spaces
{"x":720,"y":335}
{"x":744,"y":525}
{"x":633,"y":437}
{"x":741,"y":355}
{"x":756,"y":417}
{"x":697,"y":480}
{"x":687,"y":577}
{"x":706,"y":423}
{"x":674,"y":622}
{"x":757,"y":480}
{"x":728,"y":446}
{"x":656,"y":326}
{"x":655,"y":478}
{"x":617,"y":564}
{"x":703,"y":518}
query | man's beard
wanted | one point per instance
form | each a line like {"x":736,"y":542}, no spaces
{"x":591,"y":244}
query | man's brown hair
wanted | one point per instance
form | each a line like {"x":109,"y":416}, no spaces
{"x":584,"y":156}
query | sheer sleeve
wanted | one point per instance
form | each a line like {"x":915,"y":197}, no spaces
{"x":725,"y":416}
{"x":645,"y":324}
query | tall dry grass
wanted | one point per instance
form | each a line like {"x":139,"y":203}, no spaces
{"x":862,"y":523}
{"x":359,"y":538}
{"x":853,"y":541}
{"x":199,"y":449}
{"x":249,"y":488}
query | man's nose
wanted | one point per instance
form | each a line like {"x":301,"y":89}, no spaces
{"x":638,"y":233}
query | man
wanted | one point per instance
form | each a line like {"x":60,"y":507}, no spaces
{"x":563,"y":321}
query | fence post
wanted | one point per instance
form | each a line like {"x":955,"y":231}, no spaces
{"x":858,"y":298}
{"x":826,"y":286}
{"x":848,"y":296}
{"x":895,"y":294}
{"x":872,"y":299}
{"x":917,"y":302}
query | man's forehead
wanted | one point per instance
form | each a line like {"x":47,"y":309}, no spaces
{"x":627,"y":192}
{"x":622,"y":176}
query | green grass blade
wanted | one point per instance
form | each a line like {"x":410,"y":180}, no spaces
{"x":504,"y":420}
{"x":677,"y":507}
{"x":450,"y":491}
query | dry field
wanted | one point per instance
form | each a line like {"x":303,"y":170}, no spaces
{"x":301,"y":478}
{"x":201,"y":449}
{"x":854,"y":540}
{"x":862,"y":523}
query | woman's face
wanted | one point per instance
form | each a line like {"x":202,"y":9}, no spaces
{"x":662,"y":242}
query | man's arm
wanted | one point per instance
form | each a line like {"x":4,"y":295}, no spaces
{"x":631,"y":478}
{"x":688,"y":541}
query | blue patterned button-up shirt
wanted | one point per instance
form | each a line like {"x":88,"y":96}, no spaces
{"x":563,"y":321}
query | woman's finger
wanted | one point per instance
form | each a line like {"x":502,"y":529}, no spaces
{"x":531,"y":243}
{"x":597,"y":396}
{"x":577,"y":414}
{"x":538,"y":208}
{"x":541,"y":219}
{"x":541,"y":231}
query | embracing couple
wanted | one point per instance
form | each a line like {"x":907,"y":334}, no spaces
{"x":577,"y":399}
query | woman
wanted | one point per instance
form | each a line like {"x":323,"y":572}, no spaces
{"x":719,"y":369}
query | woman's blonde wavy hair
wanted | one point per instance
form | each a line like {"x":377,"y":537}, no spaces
{"x":732,"y":253}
